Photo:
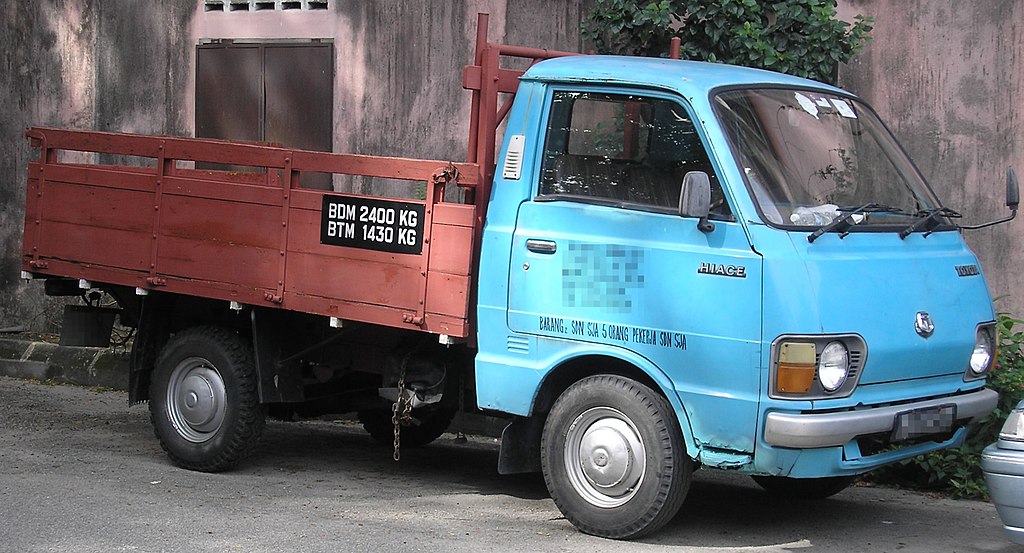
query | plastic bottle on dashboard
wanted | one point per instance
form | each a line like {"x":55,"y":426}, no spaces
{"x":807,"y":217}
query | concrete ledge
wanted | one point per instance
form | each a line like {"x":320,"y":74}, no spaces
{"x":67,"y":364}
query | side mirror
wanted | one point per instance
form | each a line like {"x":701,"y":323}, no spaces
{"x":695,"y":199}
{"x":1012,"y":190}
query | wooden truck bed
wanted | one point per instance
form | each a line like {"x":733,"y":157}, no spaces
{"x":252,"y":235}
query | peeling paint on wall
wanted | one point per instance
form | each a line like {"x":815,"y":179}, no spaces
{"x":86,"y":64}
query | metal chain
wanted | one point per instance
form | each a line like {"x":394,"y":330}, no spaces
{"x":405,"y":406}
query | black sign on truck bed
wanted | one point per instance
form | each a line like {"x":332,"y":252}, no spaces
{"x":372,"y":224}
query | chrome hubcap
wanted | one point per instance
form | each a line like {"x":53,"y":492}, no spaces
{"x":196,"y":400}
{"x":604,"y":457}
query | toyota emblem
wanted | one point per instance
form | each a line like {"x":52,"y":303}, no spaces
{"x":923,"y":324}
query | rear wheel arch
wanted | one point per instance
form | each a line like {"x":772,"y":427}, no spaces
{"x":161,"y":315}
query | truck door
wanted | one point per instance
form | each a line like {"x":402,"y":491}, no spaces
{"x":602,"y":259}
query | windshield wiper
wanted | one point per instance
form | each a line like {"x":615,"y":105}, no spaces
{"x":843,"y":224}
{"x":929,"y":220}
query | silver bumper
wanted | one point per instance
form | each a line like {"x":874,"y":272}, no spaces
{"x":808,"y":430}
{"x":1004,"y":474}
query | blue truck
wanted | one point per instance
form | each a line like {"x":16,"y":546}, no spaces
{"x":667,"y":265}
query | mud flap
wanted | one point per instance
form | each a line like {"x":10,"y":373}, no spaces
{"x":279,"y":381}
{"x":153,"y":330}
{"x":520,"y":446}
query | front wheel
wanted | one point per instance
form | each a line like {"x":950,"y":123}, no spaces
{"x":613,"y":457}
{"x":203,"y":399}
{"x":804,"y":488}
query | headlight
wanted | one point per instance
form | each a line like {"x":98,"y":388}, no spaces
{"x":833,"y":366}
{"x":1013,"y":428}
{"x":822,"y":366}
{"x":984,"y":351}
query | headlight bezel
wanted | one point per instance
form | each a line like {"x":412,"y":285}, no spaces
{"x":985,"y":332}
{"x":857,"y":354}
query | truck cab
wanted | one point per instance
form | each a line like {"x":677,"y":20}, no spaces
{"x":819,"y":316}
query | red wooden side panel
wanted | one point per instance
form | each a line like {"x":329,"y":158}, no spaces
{"x":219,"y":241}
{"x":447,"y":294}
{"x":348,"y":276}
{"x":79,"y":222}
{"x":352,"y":280}
{"x":29,"y":243}
{"x":451,"y":261}
{"x":247,"y":237}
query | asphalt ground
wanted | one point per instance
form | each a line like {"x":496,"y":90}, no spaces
{"x":81,"y":471}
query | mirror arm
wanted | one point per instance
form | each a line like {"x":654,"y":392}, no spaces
{"x":705,"y":226}
{"x":1013,"y":214}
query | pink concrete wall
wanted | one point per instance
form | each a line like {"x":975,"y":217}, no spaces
{"x":948,"y":78}
{"x":109,"y":65}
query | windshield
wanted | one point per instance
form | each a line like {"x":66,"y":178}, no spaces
{"x":808,"y":156}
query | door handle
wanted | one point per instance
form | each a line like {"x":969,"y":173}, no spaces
{"x":541,"y":246}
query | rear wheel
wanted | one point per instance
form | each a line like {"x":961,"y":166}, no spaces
{"x":203,"y":399}
{"x":804,"y":488}
{"x":613,"y":457}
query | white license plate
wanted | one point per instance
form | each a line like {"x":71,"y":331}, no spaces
{"x":923,"y":422}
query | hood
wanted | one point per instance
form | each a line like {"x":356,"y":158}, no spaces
{"x":874,"y":284}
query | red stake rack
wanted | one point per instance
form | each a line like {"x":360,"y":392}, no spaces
{"x":249,"y":236}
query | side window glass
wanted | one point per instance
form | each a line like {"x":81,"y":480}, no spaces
{"x":623,"y":150}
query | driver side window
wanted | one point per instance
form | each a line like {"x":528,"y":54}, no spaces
{"x":624,"y":150}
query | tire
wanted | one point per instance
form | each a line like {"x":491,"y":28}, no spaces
{"x":804,"y":488}
{"x":203,"y":399}
{"x":614,"y":459}
{"x":426,"y":427}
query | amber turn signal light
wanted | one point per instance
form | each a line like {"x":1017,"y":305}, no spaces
{"x":795,"y":372}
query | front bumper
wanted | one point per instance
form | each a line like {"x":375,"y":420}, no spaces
{"x":813,"y":430}
{"x":1004,"y":473}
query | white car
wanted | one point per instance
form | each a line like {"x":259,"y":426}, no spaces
{"x":1003,"y":466}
